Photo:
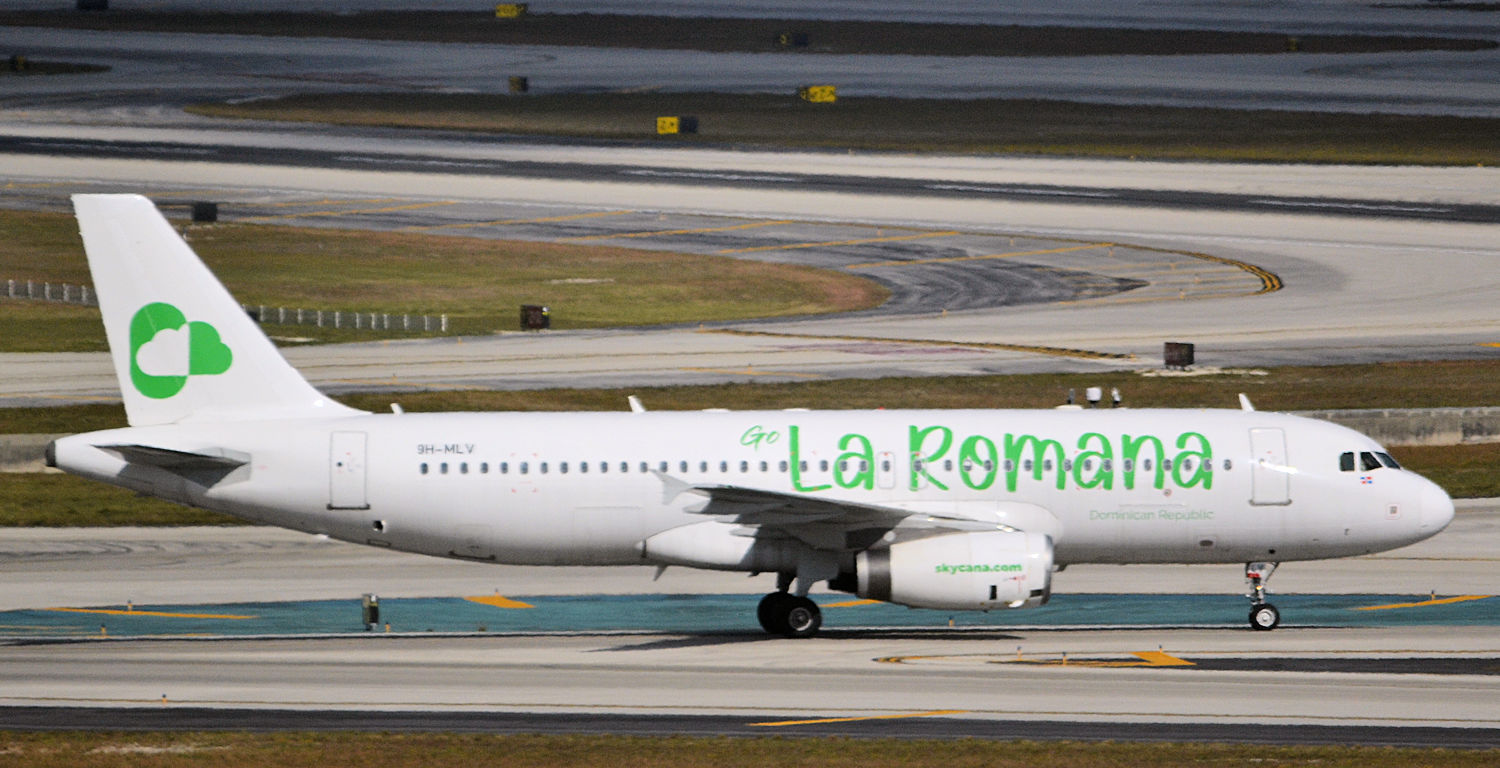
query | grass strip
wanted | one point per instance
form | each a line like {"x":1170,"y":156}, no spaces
{"x":985,"y":126}
{"x":49,"y":500}
{"x":363,"y":750}
{"x":740,"y":34}
{"x":479,"y":284}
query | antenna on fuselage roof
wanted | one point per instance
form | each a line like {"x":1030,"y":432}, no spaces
{"x":1245,"y":402}
{"x":635,"y":404}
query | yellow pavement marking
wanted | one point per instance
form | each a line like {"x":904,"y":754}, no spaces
{"x":949,"y":259}
{"x":1159,"y":659}
{"x":1424,"y":603}
{"x":851,"y":603}
{"x":504,"y":222}
{"x":1490,"y":344}
{"x":934,"y":713}
{"x":861,"y":241}
{"x":121,"y":612}
{"x":499,"y":602}
{"x":312,"y":214}
{"x":667,"y":232}
{"x":1040,"y":350}
{"x":756,"y":372}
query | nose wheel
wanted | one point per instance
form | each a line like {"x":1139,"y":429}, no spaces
{"x":1263,"y":616}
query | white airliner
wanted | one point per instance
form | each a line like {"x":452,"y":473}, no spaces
{"x":950,"y":509}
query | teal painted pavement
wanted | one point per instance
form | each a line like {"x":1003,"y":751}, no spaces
{"x":722,"y":613}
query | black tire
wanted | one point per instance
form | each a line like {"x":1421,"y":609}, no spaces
{"x":801,"y":618}
{"x":1264,"y":617}
{"x":772,"y":612}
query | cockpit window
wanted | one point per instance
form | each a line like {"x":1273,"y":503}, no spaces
{"x":1368,"y":462}
{"x":1385,"y":458}
{"x":1346,"y":461}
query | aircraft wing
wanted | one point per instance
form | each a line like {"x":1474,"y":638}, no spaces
{"x":821,"y":522}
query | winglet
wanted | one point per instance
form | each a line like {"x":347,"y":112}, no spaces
{"x":1245,"y":402}
{"x":635,"y":404}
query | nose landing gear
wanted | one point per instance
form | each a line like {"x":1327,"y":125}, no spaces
{"x":1263,"y":616}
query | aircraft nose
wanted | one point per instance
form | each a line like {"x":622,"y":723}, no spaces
{"x":1437,"y":508}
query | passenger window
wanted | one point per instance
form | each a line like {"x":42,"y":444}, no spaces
{"x":463,"y":468}
{"x":702,"y":466}
{"x":968,"y":465}
{"x":823,"y":465}
{"x":424,"y":467}
{"x":504,"y":467}
{"x":1146,"y":465}
{"x":583,"y":467}
{"x":864,"y":466}
{"x":443,"y":468}
{"x":723,"y":466}
{"x":525,"y":468}
{"x":681,"y":466}
{"x":484,"y":467}
{"x":947,"y":465}
{"x":1130,"y":465}
{"x":802,"y":466}
{"x":781,"y":467}
{"x":1010,"y":466}
{"x":765,"y":466}
{"x":562,"y":467}
{"x":1166,"y":465}
{"x":544,"y":467}
{"x":1047,"y":465}
{"x":1228,"y":465}
{"x":1067,"y":465}
{"x":1385,"y":458}
{"x":1368,"y":462}
{"x":1027,"y":465}
{"x":843,"y":466}
{"x":1346,"y":461}
{"x":885,"y":465}
{"x":603,"y":467}
{"x":1108,"y":465}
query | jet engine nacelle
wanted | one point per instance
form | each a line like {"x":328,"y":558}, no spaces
{"x":960,"y":571}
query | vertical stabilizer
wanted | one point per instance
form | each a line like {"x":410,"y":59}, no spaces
{"x":183,"y":348}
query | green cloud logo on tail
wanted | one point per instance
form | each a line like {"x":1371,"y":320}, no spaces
{"x":165,"y":349}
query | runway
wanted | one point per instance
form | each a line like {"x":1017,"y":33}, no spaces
{"x":609,"y":650}
{"x":1369,"y":264}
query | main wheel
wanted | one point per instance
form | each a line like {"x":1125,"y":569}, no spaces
{"x":1264,"y":617}
{"x":802,"y":618}
{"x":772,"y":612}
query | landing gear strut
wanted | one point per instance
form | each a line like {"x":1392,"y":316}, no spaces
{"x":1263,"y":616}
{"x":789,"y":615}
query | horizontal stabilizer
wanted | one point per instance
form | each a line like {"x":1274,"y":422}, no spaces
{"x":174,"y":460}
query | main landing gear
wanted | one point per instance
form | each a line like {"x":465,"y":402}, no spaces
{"x":789,"y":615}
{"x":1263,"y":616}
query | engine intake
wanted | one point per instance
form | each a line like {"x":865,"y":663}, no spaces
{"x":960,"y":571}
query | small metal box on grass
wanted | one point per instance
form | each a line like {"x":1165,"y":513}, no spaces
{"x":535,"y":317}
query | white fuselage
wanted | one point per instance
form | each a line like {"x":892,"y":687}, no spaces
{"x":1108,"y":486}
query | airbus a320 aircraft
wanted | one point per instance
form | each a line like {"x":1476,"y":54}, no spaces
{"x":950,"y":509}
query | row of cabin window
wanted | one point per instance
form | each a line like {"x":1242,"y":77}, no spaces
{"x":1106,"y":465}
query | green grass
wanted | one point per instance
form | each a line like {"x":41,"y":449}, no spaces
{"x":480,"y":284}
{"x":389,"y":750}
{"x":1464,"y":471}
{"x":1010,"y":126}
{"x":31,"y":500}
{"x":895,"y":36}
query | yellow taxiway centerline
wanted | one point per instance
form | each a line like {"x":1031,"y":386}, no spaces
{"x":498,"y":601}
{"x":1424,"y":603}
{"x":934,"y":713}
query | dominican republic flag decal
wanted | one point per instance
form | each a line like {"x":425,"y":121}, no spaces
{"x":1366,"y":480}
